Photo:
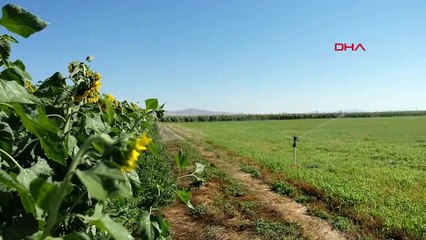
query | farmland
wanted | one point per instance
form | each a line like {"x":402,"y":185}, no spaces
{"x":369,"y":169}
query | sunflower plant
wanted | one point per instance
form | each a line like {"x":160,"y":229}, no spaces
{"x":70,"y":156}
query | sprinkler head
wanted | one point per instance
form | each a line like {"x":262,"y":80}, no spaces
{"x":295,"y":139}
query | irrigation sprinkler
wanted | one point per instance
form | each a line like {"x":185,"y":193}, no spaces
{"x":295,"y":139}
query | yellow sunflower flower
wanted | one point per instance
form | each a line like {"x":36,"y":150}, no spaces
{"x":96,"y":86}
{"x":93,"y":99}
{"x":29,"y":86}
{"x":97,"y":76}
{"x":70,"y":68}
{"x":110,"y":97}
{"x":133,"y":155}
{"x":142,"y":142}
{"x":92,"y":94}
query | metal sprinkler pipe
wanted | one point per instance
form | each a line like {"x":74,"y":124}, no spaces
{"x":295,"y":139}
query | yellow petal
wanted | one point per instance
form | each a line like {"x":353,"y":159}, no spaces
{"x":110,"y":97}
{"x":144,"y":140}
{"x":132,"y":165}
{"x":140,"y":147}
{"x":133,"y":155}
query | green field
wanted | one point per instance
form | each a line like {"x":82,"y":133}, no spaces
{"x":374,"y":167}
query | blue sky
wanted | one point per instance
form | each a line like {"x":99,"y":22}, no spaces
{"x":239,"y":56}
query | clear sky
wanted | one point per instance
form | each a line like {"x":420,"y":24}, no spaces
{"x":239,"y":56}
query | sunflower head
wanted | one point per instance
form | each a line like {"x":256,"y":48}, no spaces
{"x":29,"y":86}
{"x":87,"y":82}
{"x":110,"y":97}
{"x":130,"y":154}
{"x":71,"y":67}
{"x":97,"y":76}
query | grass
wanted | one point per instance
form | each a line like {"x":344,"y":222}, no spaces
{"x":371,"y":168}
{"x":283,"y":188}
{"x":317,"y":212}
{"x":198,"y":211}
{"x":341,"y":223}
{"x":277,"y":230}
{"x":254,"y":172}
{"x":249,"y":207}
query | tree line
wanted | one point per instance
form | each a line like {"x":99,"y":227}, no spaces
{"x":287,"y":116}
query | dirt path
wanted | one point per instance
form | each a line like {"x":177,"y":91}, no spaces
{"x":288,"y":210}
{"x":168,"y":135}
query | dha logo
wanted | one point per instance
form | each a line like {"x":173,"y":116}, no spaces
{"x":339,"y":47}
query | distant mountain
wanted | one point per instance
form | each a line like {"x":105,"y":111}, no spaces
{"x":194,"y":112}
